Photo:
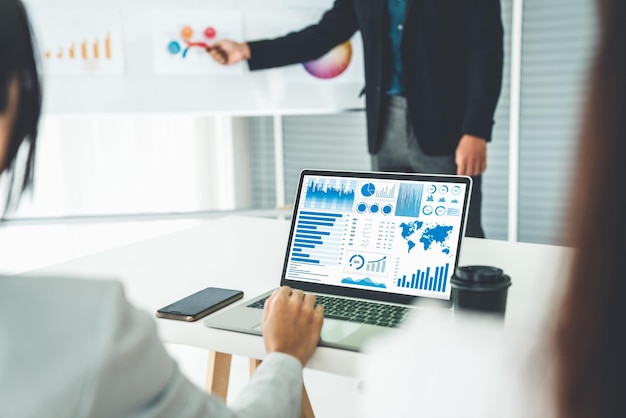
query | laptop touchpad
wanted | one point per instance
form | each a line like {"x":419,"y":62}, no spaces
{"x":347,"y":333}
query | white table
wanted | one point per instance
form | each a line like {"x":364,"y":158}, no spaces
{"x":247,"y":253}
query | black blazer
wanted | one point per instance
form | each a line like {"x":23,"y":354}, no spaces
{"x":452,"y":56}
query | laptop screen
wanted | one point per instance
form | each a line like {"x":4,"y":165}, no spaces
{"x":378,"y":233}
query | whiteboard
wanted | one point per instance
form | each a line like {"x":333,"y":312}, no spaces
{"x":139,"y":88}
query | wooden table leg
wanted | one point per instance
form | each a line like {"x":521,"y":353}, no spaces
{"x":254,"y":364}
{"x":218,"y":374}
{"x":307,"y":410}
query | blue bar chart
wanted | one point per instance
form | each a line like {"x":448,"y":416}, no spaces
{"x":330,"y":194}
{"x":317,"y":238}
{"x":432,"y":279}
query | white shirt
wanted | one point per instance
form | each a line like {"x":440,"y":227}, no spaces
{"x":77,"y":348}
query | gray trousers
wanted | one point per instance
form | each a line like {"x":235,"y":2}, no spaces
{"x":401,"y":152}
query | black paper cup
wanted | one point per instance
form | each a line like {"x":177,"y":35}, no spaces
{"x":480,"y":288}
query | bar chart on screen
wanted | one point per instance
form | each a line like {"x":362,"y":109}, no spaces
{"x":317,"y":244}
{"x":433,"y":279}
{"x":332,"y":194}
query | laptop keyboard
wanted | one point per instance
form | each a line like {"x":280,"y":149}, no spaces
{"x":360,"y":311}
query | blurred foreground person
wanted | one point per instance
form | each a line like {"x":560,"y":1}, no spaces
{"x":567,"y":359}
{"x":77,"y":348}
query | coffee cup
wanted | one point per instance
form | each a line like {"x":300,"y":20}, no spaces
{"x":480,"y":288}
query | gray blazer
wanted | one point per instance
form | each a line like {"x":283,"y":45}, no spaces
{"x":77,"y":348}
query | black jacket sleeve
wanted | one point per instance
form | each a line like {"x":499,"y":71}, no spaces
{"x":336,"y":26}
{"x":484,"y":41}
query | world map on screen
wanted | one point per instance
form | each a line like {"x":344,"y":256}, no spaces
{"x":431,"y":236}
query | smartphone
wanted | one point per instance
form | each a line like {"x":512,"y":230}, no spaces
{"x":200,"y":304}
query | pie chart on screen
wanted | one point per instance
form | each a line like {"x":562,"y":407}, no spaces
{"x":331,"y":65}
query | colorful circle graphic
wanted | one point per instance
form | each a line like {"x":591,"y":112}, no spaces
{"x":361,"y":207}
{"x":173,"y":47}
{"x":186,"y":32}
{"x":209,"y":33}
{"x":333,"y":64}
{"x":374,"y":208}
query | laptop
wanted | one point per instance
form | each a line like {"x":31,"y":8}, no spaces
{"x":368,"y":245}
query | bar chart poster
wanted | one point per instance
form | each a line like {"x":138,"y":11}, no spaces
{"x":80,"y":42}
{"x":180,"y":39}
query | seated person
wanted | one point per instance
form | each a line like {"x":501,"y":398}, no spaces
{"x":77,"y":348}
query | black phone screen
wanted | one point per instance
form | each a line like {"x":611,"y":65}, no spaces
{"x":200,"y":303}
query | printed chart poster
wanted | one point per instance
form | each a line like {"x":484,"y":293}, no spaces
{"x":80,"y":42}
{"x":180,"y":39}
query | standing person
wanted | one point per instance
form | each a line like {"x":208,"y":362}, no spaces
{"x":570,"y":363}
{"x":433,"y":74}
{"x":77,"y":348}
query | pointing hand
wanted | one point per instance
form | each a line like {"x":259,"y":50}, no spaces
{"x":228,"y":52}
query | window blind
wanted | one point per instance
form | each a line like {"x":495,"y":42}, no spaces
{"x":557,"y":42}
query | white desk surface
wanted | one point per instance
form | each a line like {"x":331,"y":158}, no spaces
{"x":247,"y":253}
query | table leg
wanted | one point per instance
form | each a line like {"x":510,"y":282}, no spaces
{"x":254,"y":364}
{"x":307,"y":410}
{"x":218,"y":374}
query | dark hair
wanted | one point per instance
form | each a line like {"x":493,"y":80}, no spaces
{"x":17,"y":62}
{"x":589,"y":344}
